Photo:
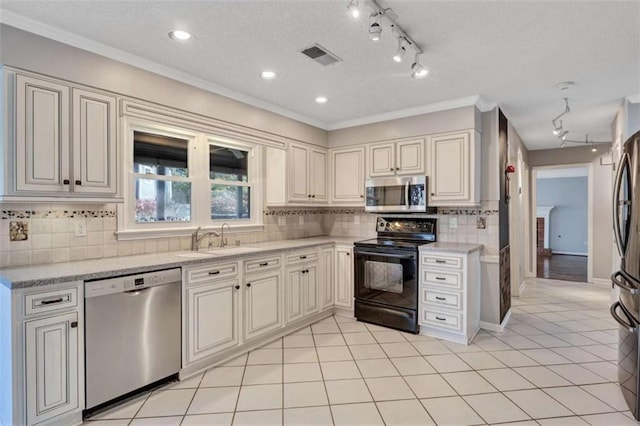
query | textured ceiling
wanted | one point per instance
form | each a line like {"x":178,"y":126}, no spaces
{"x":509,"y":52}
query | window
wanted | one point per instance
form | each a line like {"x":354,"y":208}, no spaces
{"x":162,"y":186}
{"x":179,"y":180}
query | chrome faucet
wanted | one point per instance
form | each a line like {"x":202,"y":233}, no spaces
{"x":223,"y":240}
{"x":196,"y":239}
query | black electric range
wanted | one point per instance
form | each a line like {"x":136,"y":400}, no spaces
{"x":387,"y":272}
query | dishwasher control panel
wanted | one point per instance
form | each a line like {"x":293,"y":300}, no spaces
{"x":131,"y":282}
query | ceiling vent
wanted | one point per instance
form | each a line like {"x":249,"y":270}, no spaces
{"x":320,"y":55}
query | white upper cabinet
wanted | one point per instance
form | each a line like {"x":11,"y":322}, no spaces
{"x":399,"y":158}
{"x":62,"y":142}
{"x":307,"y":174}
{"x":275,"y":165}
{"x":347,"y":178}
{"x":455,"y":170}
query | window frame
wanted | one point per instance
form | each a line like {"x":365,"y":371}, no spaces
{"x":198,"y":175}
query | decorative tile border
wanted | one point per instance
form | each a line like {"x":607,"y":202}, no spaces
{"x":447,"y":211}
{"x":288,"y":211}
{"x":54,"y":214}
{"x":444,"y":211}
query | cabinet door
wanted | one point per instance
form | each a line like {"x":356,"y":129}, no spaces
{"x":382,"y":160}
{"x":326,"y":278}
{"x":410,"y":157}
{"x":293,"y":294}
{"x":344,"y":277}
{"x":298,"y":173}
{"x":318,"y":176}
{"x":212,"y":319}
{"x":263,"y":304}
{"x":450,"y":168}
{"x":348,"y":176}
{"x":275,"y":176}
{"x":51,"y":365}
{"x":310,"y":281}
{"x":94,"y":143}
{"x":42,"y":135}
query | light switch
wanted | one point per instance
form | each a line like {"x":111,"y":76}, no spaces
{"x":282,"y":221}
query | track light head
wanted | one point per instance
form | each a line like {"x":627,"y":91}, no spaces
{"x":417,"y":69}
{"x":563,"y":144}
{"x":401,"y":50}
{"x":593,"y":148}
{"x":563,"y":135}
{"x":354,"y":9}
{"x":375,"y":29}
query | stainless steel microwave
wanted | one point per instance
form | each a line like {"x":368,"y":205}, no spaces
{"x":396,"y":194}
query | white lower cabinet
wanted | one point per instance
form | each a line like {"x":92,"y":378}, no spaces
{"x":213,"y":318}
{"x":51,"y":366}
{"x":449,"y":304}
{"x":327,"y":277}
{"x":344,"y":277}
{"x":262,"y":303}
{"x":301,"y":291}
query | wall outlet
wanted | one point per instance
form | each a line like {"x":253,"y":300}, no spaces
{"x":453,"y":223}
{"x":282,"y":221}
{"x":80,"y":228}
{"x":356,"y":219}
{"x":301,"y":220}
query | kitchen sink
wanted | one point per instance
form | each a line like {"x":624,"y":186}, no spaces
{"x":228,"y":251}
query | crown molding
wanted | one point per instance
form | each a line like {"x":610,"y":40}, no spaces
{"x":485,"y":106}
{"x":634,"y":99}
{"x":18,"y":21}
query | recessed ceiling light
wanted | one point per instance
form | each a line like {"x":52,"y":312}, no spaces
{"x":321,"y":100}
{"x":179,"y":35}
{"x":267,"y":75}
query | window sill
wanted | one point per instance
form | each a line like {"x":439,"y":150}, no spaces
{"x":144,"y":234}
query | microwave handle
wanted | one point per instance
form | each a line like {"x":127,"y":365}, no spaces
{"x":406,"y":194}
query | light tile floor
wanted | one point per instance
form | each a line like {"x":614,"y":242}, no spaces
{"x":555,"y":364}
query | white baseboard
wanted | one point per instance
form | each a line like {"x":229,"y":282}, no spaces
{"x":496,"y":327}
{"x":570,"y":253}
{"x":601,"y":282}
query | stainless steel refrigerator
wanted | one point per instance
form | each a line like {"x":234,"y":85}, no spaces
{"x":626,"y":311}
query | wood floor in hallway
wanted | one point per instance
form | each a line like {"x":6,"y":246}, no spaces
{"x":563,"y":267}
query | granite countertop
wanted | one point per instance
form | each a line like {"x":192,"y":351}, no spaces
{"x":39,"y":275}
{"x":460,"y":248}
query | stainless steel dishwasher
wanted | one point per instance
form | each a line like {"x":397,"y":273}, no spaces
{"x":132,"y":333}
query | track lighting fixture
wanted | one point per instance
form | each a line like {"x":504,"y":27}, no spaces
{"x":417,"y":69}
{"x":586,"y":142}
{"x":380,"y":16}
{"x":375,"y":29}
{"x":401,"y":50}
{"x":557,"y":123}
{"x":563,"y":135}
{"x":593,"y":148}
{"x":354,"y":8}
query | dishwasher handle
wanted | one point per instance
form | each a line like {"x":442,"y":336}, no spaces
{"x":137,"y":291}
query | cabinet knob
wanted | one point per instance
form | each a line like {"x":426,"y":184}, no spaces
{"x":362,"y":196}
{"x":309,"y":195}
{"x":74,"y":324}
{"x":65,"y":182}
{"x":391,"y":169}
{"x":78,"y":182}
{"x":237,"y":287}
{"x":348,"y":254}
{"x":397,"y":168}
{"x":248,"y":284}
{"x":313,"y":196}
{"x":432,"y":194}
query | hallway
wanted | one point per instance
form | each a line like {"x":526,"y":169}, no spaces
{"x":563,"y":267}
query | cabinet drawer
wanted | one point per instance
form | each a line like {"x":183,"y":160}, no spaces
{"x":308,"y":256}
{"x":441,"y":299}
{"x":50,"y":301}
{"x":441,"y":261}
{"x":449,"y":279}
{"x":211,"y":271}
{"x":449,"y":321}
{"x":262,"y":264}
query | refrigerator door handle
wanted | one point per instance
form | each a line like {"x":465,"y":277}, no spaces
{"x":615,"y":279}
{"x":619,"y":320}
{"x":616,"y":204}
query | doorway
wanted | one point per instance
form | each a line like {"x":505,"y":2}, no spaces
{"x":561,"y":213}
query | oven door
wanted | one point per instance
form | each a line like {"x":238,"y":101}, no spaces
{"x":387,"y":277}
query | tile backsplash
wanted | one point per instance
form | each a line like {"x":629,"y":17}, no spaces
{"x":52,"y":237}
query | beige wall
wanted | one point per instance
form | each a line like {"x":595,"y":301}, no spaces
{"x":435,"y":122}
{"x":601,"y":230}
{"x":38,"y":54}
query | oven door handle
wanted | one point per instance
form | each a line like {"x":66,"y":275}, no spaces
{"x":396,"y":256}
{"x":630,"y":328}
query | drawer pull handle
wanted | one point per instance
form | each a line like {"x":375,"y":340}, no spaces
{"x":78,"y":182}
{"x":440,"y":298}
{"x":214,"y":272}
{"x":441,"y":278}
{"x":65,"y":182}
{"x":264,"y":264}
{"x":303,"y":257}
{"x":51,"y":301}
{"x":440,"y":261}
{"x":74,"y":324}
{"x":441,"y":319}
